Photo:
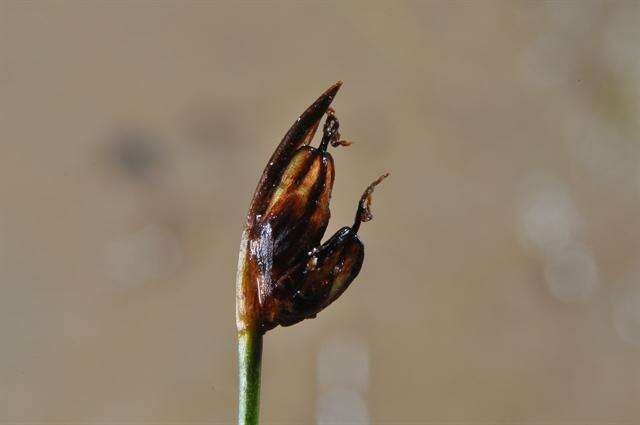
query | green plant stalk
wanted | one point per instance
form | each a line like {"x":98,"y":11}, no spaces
{"x":249,"y":362}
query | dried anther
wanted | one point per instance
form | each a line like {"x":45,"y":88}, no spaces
{"x":285,"y":274}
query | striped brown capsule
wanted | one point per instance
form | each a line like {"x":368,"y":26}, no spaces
{"x":285,"y":274}
{"x":298,"y":211}
{"x":322,"y":275}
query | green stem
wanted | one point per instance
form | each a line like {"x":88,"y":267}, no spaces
{"x":249,"y":360}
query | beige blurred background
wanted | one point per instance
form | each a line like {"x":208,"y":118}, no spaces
{"x":501,"y":282}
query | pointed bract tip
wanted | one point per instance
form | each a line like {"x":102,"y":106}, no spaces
{"x":333,"y":90}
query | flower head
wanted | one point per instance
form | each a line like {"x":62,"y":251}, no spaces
{"x":285,"y":274}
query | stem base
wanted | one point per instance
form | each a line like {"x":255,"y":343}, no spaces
{"x":249,"y":361}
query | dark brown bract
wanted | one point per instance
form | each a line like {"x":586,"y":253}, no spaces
{"x":285,"y":274}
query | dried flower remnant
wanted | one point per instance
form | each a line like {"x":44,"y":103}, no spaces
{"x":285,"y":274}
{"x":320,"y":276}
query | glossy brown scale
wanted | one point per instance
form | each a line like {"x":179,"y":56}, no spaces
{"x":299,"y":212}
{"x":318,"y":280}
{"x":322,"y":275}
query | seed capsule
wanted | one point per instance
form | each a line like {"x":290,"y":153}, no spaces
{"x":322,"y":275}
{"x":285,"y":274}
{"x":298,"y":211}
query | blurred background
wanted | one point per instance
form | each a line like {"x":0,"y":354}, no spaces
{"x":501,"y":282}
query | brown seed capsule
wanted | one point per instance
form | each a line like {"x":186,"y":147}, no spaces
{"x":254,"y":280}
{"x":284,"y":274}
{"x":300,"y":134}
{"x":321,"y":276}
{"x":298,"y":211}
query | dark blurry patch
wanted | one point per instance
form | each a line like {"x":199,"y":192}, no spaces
{"x":214,"y":124}
{"x":135,"y":153}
